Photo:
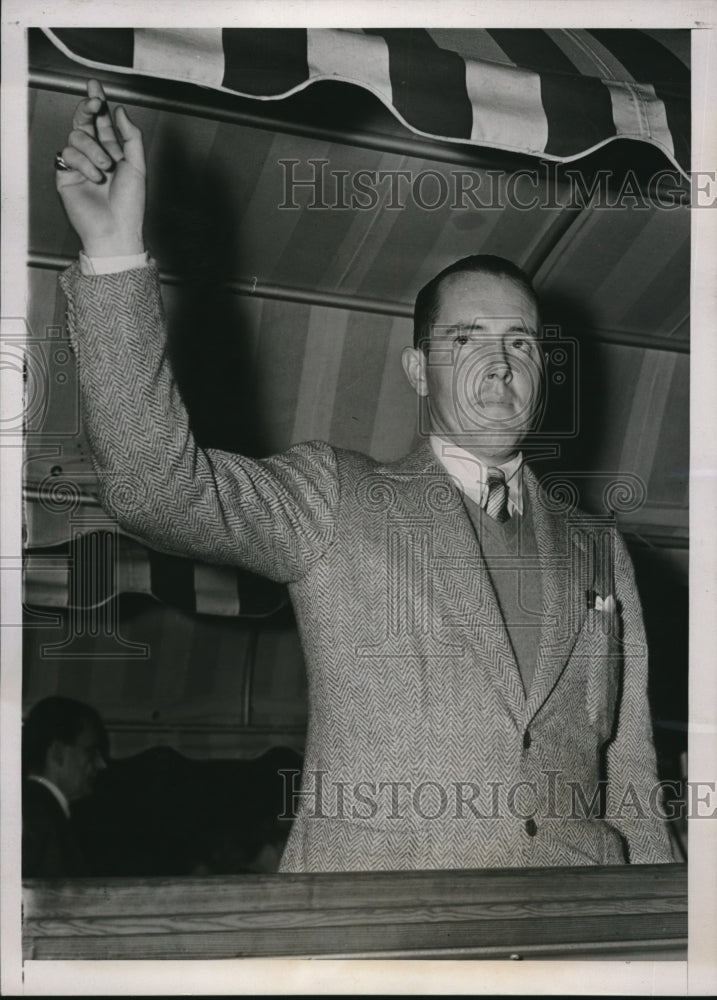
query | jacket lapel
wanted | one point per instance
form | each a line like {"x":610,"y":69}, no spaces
{"x":460,"y":578}
{"x":563,"y":556}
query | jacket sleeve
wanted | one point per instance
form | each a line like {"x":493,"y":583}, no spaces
{"x":634,"y":802}
{"x":275,"y":516}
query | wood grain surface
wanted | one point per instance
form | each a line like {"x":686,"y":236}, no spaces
{"x":640,"y":911}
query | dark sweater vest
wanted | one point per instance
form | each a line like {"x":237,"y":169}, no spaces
{"x":511,"y":554}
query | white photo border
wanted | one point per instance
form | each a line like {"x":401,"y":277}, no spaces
{"x":698,"y":975}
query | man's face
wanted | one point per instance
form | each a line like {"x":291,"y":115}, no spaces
{"x":482,"y":375}
{"x":79,"y":764}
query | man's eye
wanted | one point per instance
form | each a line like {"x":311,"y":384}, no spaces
{"x":522,"y":344}
{"x":460,"y":338}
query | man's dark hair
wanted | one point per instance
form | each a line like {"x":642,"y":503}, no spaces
{"x":428,"y":299}
{"x":57,"y":718}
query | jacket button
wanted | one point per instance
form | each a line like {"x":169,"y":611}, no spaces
{"x":531,"y":827}
{"x":526,"y":740}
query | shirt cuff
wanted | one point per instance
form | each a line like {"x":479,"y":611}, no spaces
{"x":112,"y":265}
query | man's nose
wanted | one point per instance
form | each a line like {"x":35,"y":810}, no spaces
{"x":500,"y":369}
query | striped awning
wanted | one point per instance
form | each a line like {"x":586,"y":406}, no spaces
{"x":557,"y":94}
{"x":98,"y":566}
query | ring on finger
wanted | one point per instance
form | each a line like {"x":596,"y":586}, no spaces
{"x":60,"y":163}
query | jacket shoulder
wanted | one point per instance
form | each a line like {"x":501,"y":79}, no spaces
{"x":38,"y":803}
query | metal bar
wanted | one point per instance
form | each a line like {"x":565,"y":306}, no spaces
{"x":335,"y":300}
{"x":82,"y":499}
{"x":262,"y":290}
{"x":248,"y":679}
{"x":628,"y":338}
{"x":208,"y":108}
{"x":654,"y":947}
{"x":550,"y":239}
{"x":653,"y":540}
{"x":198,"y":728}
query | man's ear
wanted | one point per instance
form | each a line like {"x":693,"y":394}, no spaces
{"x":56,"y":753}
{"x":414,"y":365}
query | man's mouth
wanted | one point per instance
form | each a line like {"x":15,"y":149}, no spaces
{"x":496,"y":407}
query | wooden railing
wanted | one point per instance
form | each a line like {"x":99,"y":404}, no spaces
{"x":632,"y":911}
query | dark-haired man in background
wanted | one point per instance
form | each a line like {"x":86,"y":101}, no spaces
{"x":63,"y":750}
{"x":476,"y":658}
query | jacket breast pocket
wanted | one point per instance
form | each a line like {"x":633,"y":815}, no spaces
{"x":603,"y":664}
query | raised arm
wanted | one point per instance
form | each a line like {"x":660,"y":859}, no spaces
{"x":103,"y":191}
{"x":274,"y":516}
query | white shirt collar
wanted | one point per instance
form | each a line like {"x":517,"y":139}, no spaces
{"x":65,"y":805}
{"x":471,"y":474}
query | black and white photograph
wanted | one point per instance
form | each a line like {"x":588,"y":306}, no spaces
{"x":358,"y":471}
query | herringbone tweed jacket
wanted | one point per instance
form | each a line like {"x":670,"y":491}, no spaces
{"x":422,"y":749}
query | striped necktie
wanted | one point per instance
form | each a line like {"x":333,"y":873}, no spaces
{"x":496,"y":504}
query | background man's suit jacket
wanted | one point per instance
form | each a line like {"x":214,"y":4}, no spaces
{"x":49,"y":846}
{"x":412,"y":678}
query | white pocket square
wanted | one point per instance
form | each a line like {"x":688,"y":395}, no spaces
{"x":605,"y":603}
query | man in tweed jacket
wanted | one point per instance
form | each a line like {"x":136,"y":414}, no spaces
{"x":476,"y":656}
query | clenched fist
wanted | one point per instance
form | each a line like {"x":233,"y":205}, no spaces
{"x":103,"y":192}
